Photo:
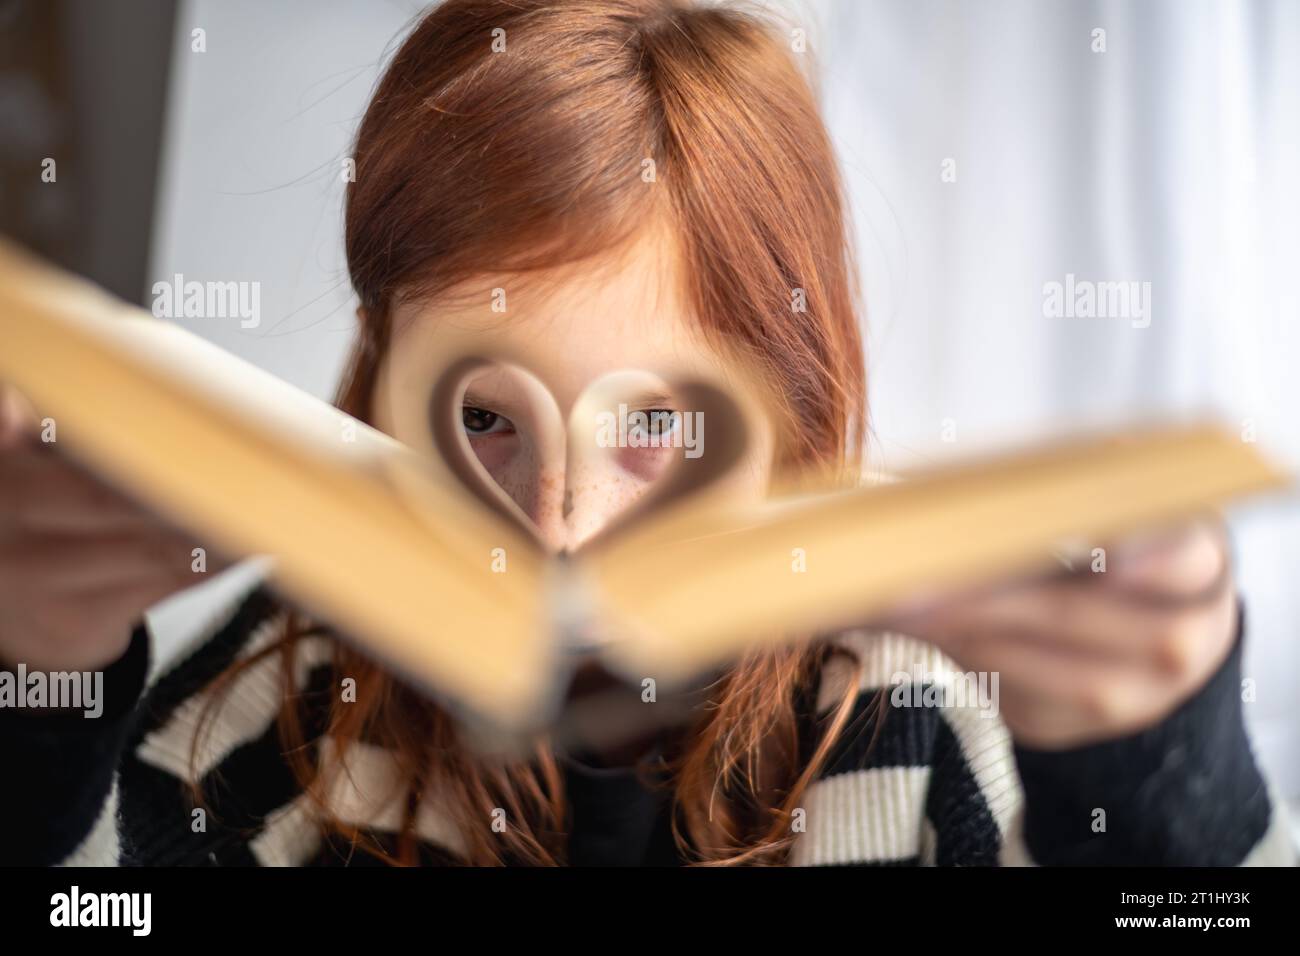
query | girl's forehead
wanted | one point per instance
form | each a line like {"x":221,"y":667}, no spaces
{"x":570,"y":327}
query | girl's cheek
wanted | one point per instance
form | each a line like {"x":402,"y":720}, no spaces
{"x":496,"y":453}
{"x":645,"y":464}
{"x":514,"y":468}
{"x":593,"y":500}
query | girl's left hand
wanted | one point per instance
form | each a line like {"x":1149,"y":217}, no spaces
{"x":1097,"y":656}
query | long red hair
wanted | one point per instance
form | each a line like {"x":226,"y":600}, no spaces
{"x":520,"y":135}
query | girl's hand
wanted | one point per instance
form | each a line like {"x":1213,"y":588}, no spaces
{"x":1097,"y":656}
{"x":79,"y":563}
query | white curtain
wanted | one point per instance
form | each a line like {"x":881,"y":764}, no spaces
{"x":1173,"y":157}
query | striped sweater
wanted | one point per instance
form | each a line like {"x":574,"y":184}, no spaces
{"x":939,"y":781}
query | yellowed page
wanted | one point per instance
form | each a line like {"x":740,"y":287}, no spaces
{"x":211,"y":444}
{"x":722,"y":581}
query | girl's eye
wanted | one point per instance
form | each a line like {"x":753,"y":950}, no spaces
{"x":668,"y":419}
{"x":660,"y":423}
{"x":480,"y":421}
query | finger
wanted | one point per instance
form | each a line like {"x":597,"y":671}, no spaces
{"x":1061,"y":673}
{"x":86,"y":635}
{"x":135,"y":597}
{"x":1078,"y":614}
{"x":1179,"y":562}
{"x":1188,"y":563}
{"x":1041,"y":723}
{"x":63,"y":564}
{"x":1052,"y":700}
{"x":1073,"y":613}
{"x":43,"y":490}
{"x":17,"y":419}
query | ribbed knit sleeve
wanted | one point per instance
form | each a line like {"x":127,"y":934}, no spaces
{"x":1186,"y":792}
{"x":60,"y":769}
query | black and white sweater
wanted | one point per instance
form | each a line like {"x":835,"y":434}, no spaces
{"x":938,"y":784}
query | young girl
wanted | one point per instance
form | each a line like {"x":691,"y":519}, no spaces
{"x":649,"y":184}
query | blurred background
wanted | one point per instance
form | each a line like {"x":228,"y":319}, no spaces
{"x":989,"y":150}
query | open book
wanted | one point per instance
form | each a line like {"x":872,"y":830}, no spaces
{"x":403,"y":553}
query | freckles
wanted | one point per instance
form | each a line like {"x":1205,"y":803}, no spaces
{"x":645,"y":464}
{"x":550,"y":483}
{"x":519,"y":479}
{"x":586,"y":504}
{"x":611,"y":492}
{"x":592,"y":502}
{"x":548,"y":490}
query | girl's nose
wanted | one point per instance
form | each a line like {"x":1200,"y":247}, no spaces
{"x":572,"y":504}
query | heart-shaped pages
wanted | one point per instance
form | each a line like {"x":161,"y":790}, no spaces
{"x":657,"y":440}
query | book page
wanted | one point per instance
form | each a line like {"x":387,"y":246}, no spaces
{"x":252,"y":467}
{"x":831,"y":560}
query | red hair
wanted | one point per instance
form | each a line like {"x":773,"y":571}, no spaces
{"x":516,"y":137}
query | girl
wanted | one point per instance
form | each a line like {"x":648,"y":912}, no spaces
{"x":649,"y":182}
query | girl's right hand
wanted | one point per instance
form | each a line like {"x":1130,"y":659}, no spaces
{"x":79,"y":563}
